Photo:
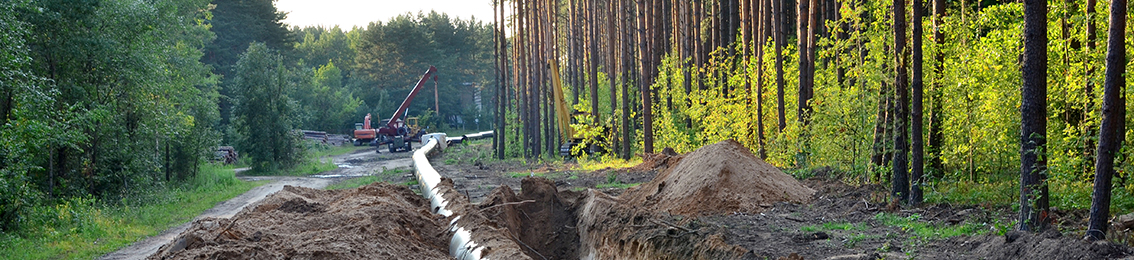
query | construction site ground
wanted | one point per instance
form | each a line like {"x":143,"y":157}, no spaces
{"x":719,"y":202}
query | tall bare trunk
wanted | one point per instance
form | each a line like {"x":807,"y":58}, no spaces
{"x":900,"y":182}
{"x":1033,"y":124}
{"x":1113,"y":122}
{"x":917,"y":152}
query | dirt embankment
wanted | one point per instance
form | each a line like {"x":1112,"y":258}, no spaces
{"x":653,"y":221}
{"x":378,"y":221}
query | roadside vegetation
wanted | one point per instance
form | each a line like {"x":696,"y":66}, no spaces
{"x":85,"y":228}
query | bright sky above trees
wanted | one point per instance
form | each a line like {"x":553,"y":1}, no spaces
{"x":349,"y":13}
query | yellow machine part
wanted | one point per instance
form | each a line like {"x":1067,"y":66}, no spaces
{"x":566,"y":133}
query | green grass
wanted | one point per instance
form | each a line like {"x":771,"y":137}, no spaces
{"x":989,"y":192}
{"x":86,"y":228}
{"x":367,"y":180}
{"x":317,"y":161}
{"x":913,"y":224}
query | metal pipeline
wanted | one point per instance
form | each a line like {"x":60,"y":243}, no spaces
{"x":461,"y":245}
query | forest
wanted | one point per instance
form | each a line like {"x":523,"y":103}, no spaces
{"x":109,"y":105}
{"x":982,"y":102}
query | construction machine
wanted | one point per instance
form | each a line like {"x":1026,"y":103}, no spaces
{"x":363,"y":134}
{"x":395,"y":133}
{"x":567,"y":135}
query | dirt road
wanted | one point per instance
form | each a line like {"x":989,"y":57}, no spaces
{"x":362,"y":162}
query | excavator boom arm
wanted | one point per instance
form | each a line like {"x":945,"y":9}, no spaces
{"x":409,"y":99}
{"x":566,"y":133}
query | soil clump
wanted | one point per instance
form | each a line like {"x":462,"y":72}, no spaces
{"x":377,"y":221}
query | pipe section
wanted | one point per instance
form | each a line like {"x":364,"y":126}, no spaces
{"x":461,"y":245}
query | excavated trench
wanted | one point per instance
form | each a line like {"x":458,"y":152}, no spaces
{"x":656,"y":220}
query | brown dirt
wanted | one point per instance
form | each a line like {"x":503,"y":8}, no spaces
{"x":1023,"y":245}
{"x":718,"y":179}
{"x":541,"y":217}
{"x":378,"y":221}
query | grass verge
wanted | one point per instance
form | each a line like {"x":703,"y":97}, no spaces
{"x":921,"y":229}
{"x":318,"y":160}
{"x":83,"y":228}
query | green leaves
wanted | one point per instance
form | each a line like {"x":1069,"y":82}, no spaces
{"x":264,"y":115}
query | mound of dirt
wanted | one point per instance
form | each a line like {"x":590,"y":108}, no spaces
{"x":718,"y":179}
{"x":610,"y":228}
{"x":378,"y":221}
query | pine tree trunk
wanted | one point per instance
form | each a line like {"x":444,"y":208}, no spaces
{"x":780,"y":42}
{"x":900,"y":183}
{"x":1033,"y":123}
{"x":917,"y":153}
{"x":1089,"y":87}
{"x":592,"y":66}
{"x":643,"y":83}
{"x":936,"y":116}
{"x":626,"y":65}
{"x":1114,"y":118}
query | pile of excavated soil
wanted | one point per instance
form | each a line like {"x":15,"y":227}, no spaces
{"x":718,"y":179}
{"x":378,"y":221}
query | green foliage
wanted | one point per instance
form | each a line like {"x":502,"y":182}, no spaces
{"x":326,"y":104}
{"x":264,"y":114}
{"x":391,"y":56}
{"x":85,"y":228}
{"x":97,"y":104}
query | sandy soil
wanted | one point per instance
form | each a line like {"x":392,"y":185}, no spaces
{"x":361,"y":162}
{"x":377,"y":221}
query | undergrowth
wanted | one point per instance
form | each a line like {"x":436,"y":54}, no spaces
{"x":85,"y":228}
{"x":912,"y":224}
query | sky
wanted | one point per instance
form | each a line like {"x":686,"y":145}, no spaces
{"x":350,"y":13}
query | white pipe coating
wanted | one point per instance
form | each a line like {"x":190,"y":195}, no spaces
{"x":461,"y":245}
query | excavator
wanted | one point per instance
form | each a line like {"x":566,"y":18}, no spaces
{"x":567,"y":136}
{"x":395,"y":133}
{"x":363,"y":134}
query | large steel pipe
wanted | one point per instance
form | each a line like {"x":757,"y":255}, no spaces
{"x":461,"y":245}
